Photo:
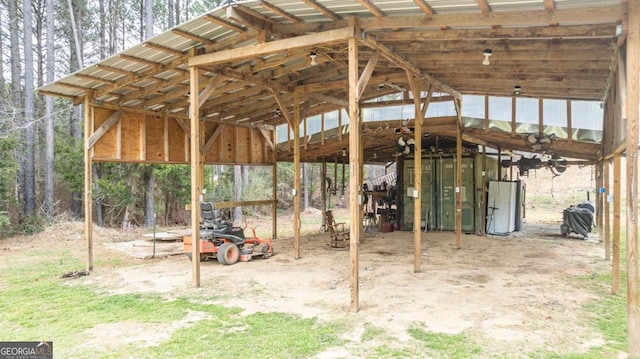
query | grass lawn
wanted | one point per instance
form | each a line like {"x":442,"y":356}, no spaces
{"x":37,"y":304}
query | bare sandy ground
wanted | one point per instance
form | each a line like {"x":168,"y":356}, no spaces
{"x":515,"y":293}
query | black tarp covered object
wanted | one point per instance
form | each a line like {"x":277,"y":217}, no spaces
{"x":578,"y":219}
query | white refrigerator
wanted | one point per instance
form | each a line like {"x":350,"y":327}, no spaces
{"x":501,"y":207}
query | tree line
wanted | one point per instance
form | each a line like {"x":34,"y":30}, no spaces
{"x":41,"y":138}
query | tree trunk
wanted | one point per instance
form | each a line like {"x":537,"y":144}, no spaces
{"x":75,"y":63}
{"x":177,"y":7}
{"x":29,"y":170}
{"x":170,"y":14}
{"x":103,"y":31}
{"x":149,"y":198}
{"x":2,"y":80}
{"x":305,"y":176}
{"x":113,"y":27}
{"x":237,"y":181}
{"x":49,"y":133}
{"x":15,"y":89}
{"x":96,"y":188}
{"x":148,"y":21}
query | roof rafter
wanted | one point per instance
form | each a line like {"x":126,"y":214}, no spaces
{"x":280,"y":12}
{"x":407,"y":66}
{"x":228,"y":24}
{"x":576,"y":16}
{"x":424,"y":7}
{"x":324,"y":38}
{"x":372,"y":8}
{"x":326,"y":12}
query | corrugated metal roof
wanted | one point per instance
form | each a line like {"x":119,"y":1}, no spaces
{"x":153,"y":75}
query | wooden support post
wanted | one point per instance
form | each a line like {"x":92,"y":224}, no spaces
{"x":274,"y":195}
{"x":417,"y":173}
{"x":88,"y":198}
{"x":615,"y":266}
{"x":486,"y":114}
{"x":324,"y":188}
{"x":607,"y":212}
{"x":483,"y":203}
{"x":569,"y":123}
{"x":599,"y":199}
{"x":458,"y":182}
{"x":354,"y":175}
{"x":633,"y":111}
{"x":196,"y":162}
{"x":296,"y":174}
{"x":499,"y":166}
{"x":360,"y":218}
{"x":513,"y":116}
{"x":540,"y":116}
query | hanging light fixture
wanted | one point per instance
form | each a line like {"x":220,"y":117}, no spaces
{"x":312,"y":56}
{"x":344,"y":152}
{"x":487,"y":53}
{"x":517,"y":90}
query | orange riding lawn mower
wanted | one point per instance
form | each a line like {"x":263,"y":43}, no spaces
{"x":221,"y":240}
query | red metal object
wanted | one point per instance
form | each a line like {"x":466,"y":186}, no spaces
{"x":229,"y":249}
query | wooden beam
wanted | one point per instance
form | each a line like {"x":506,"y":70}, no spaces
{"x":183,"y":124}
{"x":569,"y":16}
{"x":283,"y":109}
{"x":407,"y":66}
{"x":330,"y":99}
{"x":597,"y":14}
{"x":417,"y":173}
{"x":486,"y":114}
{"x":549,"y":4}
{"x":94,"y":78}
{"x":372,"y":8}
{"x":540,"y":116}
{"x":191,"y":36}
{"x":249,"y":17}
{"x":296,"y":177}
{"x":209,"y":90}
{"x":569,"y":123}
{"x":212,"y":138}
{"x":426,"y":8}
{"x":607,"y":211}
{"x":196,"y":162}
{"x":287,"y":15}
{"x":88,"y":196}
{"x":458,"y":190}
{"x":164,"y":49}
{"x":354,"y":170}
{"x":325,"y":38}
{"x":484,"y":6}
{"x":428,"y":100}
{"x":274,"y":195}
{"x":617,"y":187}
{"x":633,"y":113}
{"x":97,"y":135}
{"x":228,"y":24}
{"x":267,"y":139}
{"x":367,"y":72}
{"x":513,"y":116}
{"x":326,"y":12}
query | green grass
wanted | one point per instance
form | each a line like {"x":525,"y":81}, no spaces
{"x":447,"y":345}
{"x":36,"y":304}
{"x":39,"y":305}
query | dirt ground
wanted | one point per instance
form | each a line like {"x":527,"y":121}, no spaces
{"x":517,"y":292}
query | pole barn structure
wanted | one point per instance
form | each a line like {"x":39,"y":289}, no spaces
{"x":244,"y":83}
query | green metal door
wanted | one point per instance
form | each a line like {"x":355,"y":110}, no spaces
{"x":468,"y":195}
{"x":446,"y":194}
